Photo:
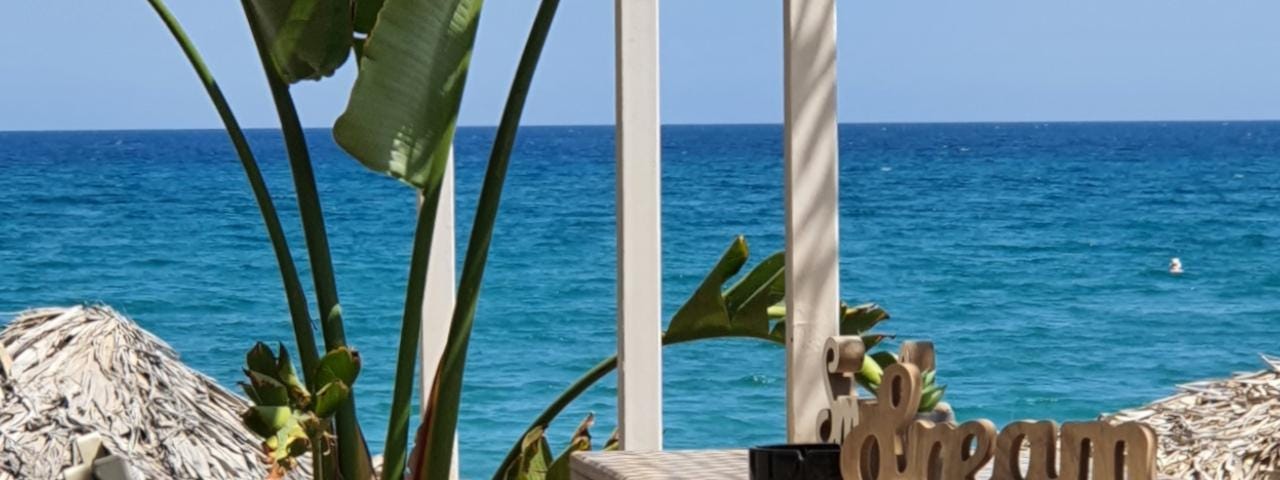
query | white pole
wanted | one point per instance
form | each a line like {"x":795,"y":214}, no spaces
{"x":639,"y":226}
{"x":437,"y":305}
{"x":812,"y":272}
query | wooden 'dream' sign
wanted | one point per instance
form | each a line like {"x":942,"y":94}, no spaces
{"x":887,"y":441}
{"x":1105,"y":450}
{"x":890,"y":444}
{"x":844,"y":357}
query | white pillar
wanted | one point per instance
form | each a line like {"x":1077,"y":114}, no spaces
{"x":639,"y":226}
{"x":812,"y":272}
{"x":437,"y":305}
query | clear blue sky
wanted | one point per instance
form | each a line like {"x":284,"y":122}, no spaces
{"x":110,"y":64}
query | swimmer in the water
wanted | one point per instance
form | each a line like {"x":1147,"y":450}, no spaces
{"x":1175,"y":266}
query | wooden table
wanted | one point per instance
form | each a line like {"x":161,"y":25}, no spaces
{"x":675,"y":465}
{"x":672,"y":464}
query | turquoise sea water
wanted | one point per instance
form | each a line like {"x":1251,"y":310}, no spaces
{"x":1034,"y":255}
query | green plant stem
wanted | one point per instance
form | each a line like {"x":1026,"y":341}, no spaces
{"x":594,"y":375}
{"x":393,"y":462}
{"x":297,"y":299}
{"x":303,"y":333}
{"x":567,"y":397}
{"x":553,"y":410}
{"x":442,"y":413}
{"x":353,"y":454}
{"x":309,"y":208}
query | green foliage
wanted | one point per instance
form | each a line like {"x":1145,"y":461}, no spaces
{"x":410,"y":329}
{"x":740,"y":311}
{"x":400,"y":121}
{"x":339,"y":365}
{"x":297,"y":301}
{"x":366,"y":13}
{"x":534,"y":460}
{"x":433,"y":452}
{"x":288,"y":418}
{"x":404,"y":105}
{"x":307,"y":39}
{"x":932,"y":393}
{"x":860,"y":319}
{"x":352,"y":458}
{"x":752,"y":307}
{"x":873,"y":367}
{"x":413,"y":58}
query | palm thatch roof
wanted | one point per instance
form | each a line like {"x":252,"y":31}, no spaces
{"x":1219,"y":429}
{"x":89,"y":369}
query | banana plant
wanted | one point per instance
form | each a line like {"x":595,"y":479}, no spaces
{"x":412,"y":63}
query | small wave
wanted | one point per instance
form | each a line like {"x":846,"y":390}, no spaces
{"x":758,"y":379}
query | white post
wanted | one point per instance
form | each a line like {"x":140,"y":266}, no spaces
{"x":639,"y":226}
{"x":437,"y":305}
{"x":812,"y":272}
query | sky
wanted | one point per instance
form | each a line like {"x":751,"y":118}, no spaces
{"x":71,"y":65}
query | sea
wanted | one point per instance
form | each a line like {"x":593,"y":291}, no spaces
{"x":1034,"y":255}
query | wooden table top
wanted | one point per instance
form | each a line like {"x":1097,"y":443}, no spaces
{"x":672,"y":464}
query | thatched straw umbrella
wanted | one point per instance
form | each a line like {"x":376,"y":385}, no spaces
{"x":89,"y":369}
{"x":1215,"y":429}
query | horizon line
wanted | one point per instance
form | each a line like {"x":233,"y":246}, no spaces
{"x":695,"y":124}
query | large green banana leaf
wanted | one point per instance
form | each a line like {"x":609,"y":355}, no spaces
{"x":309,"y":39}
{"x":366,"y":13}
{"x":404,"y":105}
{"x":743,"y":310}
{"x":740,"y":311}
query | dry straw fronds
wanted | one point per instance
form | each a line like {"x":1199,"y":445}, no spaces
{"x":89,"y":369}
{"x":1218,"y":429}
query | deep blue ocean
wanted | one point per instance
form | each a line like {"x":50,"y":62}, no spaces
{"x":1034,"y":255}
